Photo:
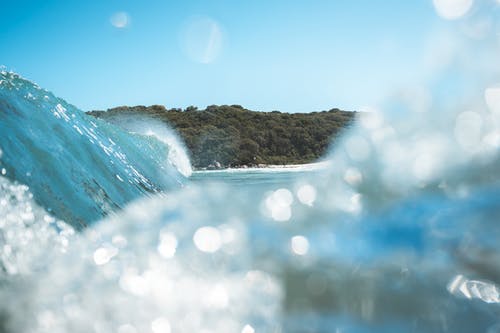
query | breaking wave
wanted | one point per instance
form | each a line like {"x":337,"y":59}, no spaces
{"x":148,"y":126}
{"x":77,"y":167}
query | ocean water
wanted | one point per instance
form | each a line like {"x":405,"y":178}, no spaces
{"x":255,"y":178}
{"x":105,"y":228}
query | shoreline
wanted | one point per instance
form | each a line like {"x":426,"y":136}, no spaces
{"x":267,"y":167}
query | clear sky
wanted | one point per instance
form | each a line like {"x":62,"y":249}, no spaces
{"x":288,"y":55}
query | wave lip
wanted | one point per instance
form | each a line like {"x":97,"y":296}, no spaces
{"x":148,"y":126}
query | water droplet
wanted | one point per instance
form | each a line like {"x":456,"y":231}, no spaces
{"x":207,"y":239}
{"x":306,"y":194}
{"x":248,"y":329}
{"x":168,"y":245}
{"x":299,"y":245}
{"x":104,"y":254}
{"x":217,"y":297}
{"x":278,"y":204}
{"x":134,"y":284}
{"x":160,"y":325}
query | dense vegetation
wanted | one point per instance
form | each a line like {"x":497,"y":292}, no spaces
{"x":234,"y":136}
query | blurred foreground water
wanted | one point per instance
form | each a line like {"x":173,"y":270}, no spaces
{"x":102,"y":230}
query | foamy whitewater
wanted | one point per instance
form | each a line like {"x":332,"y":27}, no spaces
{"x":101,"y":231}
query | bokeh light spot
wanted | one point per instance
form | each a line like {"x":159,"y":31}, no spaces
{"x":278,"y":204}
{"x":306,"y":194}
{"x":248,"y":329}
{"x":160,"y":325}
{"x":452,"y":9}
{"x":120,"y":20}
{"x":299,"y":245}
{"x":217,"y":297}
{"x":201,"y":40}
{"x":167,"y":245}
{"x":104,"y":254}
{"x":207,"y":239}
{"x":134,"y":284}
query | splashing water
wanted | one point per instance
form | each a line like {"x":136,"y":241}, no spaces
{"x":399,"y":233}
{"x":144,"y":125}
{"x":177,"y":155}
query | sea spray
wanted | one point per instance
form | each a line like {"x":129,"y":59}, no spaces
{"x":147,"y":269}
{"x":148,"y":126}
{"x":177,"y":155}
{"x":27,"y":232}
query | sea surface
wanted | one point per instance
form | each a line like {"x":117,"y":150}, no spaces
{"x":106,"y":228}
{"x":261,"y":178}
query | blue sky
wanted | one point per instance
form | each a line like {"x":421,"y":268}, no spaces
{"x":292,"y":55}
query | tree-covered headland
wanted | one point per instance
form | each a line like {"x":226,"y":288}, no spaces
{"x":233,"y":136}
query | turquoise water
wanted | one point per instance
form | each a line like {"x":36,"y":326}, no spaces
{"x":77,"y":167}
{"x":243,"y":179}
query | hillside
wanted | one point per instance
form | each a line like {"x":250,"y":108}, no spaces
{"x":234,"y":136}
